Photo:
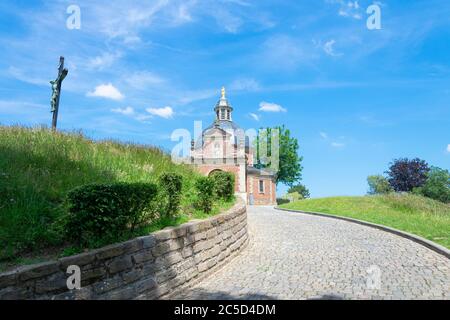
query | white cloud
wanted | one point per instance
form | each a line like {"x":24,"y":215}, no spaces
{"x":23,"y":76}
{"x":143,"y":80}
{"x":328,"y":47}
{"x":282,"y":51}
{"x":254,"y":116}
{"x":245,"y":84}
{"x":166,"y":112}
{"x":104,"y":60}
{"x":337,"y":144}
{"x":106,"y":91}
{"x":227,"y":20}
{"x":128,"y":111}
{"x":350,"y":9}
{"x":271,"y":107}
{"x":448,"y":148}
{"x":333,"y":144}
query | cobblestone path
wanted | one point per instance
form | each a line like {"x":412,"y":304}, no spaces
{"x":297,"y":256}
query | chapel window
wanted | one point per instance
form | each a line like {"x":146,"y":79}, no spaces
{"x":261,"y":186}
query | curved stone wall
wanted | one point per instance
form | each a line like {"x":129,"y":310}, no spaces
{"x":148,"y":267}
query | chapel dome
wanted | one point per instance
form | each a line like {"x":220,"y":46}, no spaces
{"x":224,"y":121}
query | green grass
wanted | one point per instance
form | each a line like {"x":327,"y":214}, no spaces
{"x":38,"y":168}
{"x":411,"y":213}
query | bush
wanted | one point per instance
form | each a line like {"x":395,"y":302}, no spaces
{"x":281,"y":201}
{"x":405,"y":175}
{"x":293,"y":196}
{"x":171,"y":186}
{"x":205,"y":194}
{"x":223,"y":185}
{"x":301,"y":190}
{"x":103,"y":213}
{"x":378,"y":185}
{"x":437,"y":186}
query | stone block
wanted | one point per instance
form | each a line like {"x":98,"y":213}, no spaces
{"x":37,"y":271}
{"x":119,"y":264}
{"x":88,"y":275}
{"x":132,"y":276}
{"x":126,"y":293}
{"x":55,"y":282}
{"x":200,"y":236}
{"x":211,"y":233}
{"x":78,"y":260}
{"x":14,"y":293}
{"x":192,"y":227}
{"x":145,"y":285}
{"x":148,"y":241}
{"x":161,"y":248}
{"x":132,"y":245}
{"x":165,"y":275}
{"x":172,"y":257}
{"x":108,"y":284}
{"x":8,"y":279}
{"x":187,"y":252}
{"x":190,"y":273}
{"x":142,"y":256}
{"x":110,"y":251}
{"x":165,"y":234}
{"x":202,"y":267}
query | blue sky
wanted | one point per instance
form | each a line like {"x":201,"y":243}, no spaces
{"x":355,"y":98}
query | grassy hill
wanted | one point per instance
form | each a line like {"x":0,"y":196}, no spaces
{"x":411,"y":213}
{"x":38,"y":167}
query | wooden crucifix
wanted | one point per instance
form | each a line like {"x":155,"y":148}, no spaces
{"x":56,"y":91}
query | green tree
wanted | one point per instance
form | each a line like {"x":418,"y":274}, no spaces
{"x":437,"y":185}
{"x":378,"y":185}
{"x":285,"y":158}
{"x":301,"y":190}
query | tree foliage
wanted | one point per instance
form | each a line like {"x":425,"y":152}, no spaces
{"x":288,"y":162}
{"x":405,"y":174}
{"x":301,"y":190}
{"x":378,"y":185}
{"x":437,"y":186}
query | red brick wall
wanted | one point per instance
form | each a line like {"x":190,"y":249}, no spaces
{"x":266,"y":198}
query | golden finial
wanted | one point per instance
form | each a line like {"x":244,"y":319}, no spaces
{"x":223,"y":92}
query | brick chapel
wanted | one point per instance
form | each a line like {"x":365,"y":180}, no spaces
{"x":223,"y":146}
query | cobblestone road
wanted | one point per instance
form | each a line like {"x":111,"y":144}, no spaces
{"x":296,"y":256}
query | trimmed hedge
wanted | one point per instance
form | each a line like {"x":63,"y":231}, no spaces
{"x":101,"y":213}
{"x":171,"y":186}
{"x":223,"y":185}
{"x":205,"y":194}
{"x":281,"y":201}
